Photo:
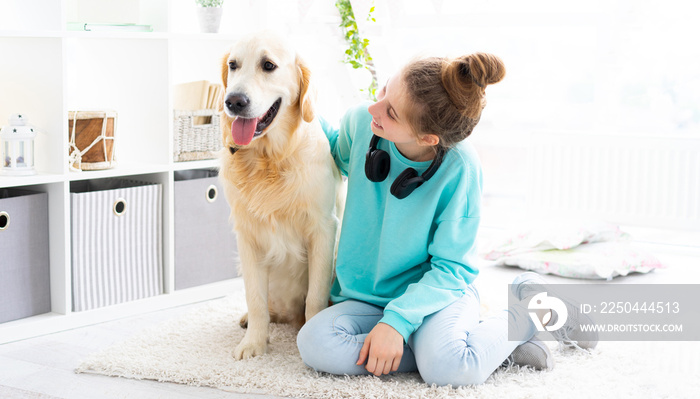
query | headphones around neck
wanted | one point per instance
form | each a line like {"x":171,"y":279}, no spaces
{"x":377,"y":165}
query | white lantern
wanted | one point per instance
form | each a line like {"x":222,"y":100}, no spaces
{"x":17,"y":146}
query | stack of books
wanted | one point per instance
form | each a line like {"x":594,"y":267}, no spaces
{"x":106,"y":16}
{"x":90,"y":27}
{"x":194,"y":96}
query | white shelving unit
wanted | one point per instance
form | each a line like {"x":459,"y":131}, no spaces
{"x":48,"y":71}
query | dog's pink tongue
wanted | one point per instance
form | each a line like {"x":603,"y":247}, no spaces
{"x":243,"y":130}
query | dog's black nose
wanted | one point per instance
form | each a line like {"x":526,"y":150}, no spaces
{"x":237,"y":102}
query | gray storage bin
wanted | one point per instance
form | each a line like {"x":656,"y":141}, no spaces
{"x":205,"y":245}
{"x":116,"y":242}
{"x":24,"y":254}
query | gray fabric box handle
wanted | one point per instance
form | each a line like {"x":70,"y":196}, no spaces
{"x":212,"y":193}
{"x":119,"y":207}
{"x":4,"y":220}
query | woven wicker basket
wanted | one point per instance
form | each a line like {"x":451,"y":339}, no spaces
{"x":196,"y":141}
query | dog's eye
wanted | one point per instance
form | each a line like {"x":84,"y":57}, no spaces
{"x":233,"y":65}
{"x":268,"y":66}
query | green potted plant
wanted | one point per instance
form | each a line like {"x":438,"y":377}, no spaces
{"x":209,"y":15}
{"x":357,"y":54}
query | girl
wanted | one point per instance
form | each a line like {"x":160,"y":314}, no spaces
{"x":403,"y":294}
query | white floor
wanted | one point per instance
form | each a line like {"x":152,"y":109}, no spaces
{"x":43,"y":367}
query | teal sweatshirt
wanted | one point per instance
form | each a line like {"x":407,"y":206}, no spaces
{"x":413,"y":256}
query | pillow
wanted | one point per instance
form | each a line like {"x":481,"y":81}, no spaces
{"x":559,"y":235}
{"x":602,"y":260}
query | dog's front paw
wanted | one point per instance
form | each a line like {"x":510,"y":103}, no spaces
{"x":247,"y":349}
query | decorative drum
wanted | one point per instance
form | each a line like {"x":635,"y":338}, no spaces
{"x":91,"y":135}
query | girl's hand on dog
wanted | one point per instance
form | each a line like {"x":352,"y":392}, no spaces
{"x":382,"y":350}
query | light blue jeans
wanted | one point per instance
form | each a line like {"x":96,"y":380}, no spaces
{"x":451,"y":346}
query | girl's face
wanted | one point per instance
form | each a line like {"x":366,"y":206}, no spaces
{"x":390,"y":122}
{"x":388,"y":113}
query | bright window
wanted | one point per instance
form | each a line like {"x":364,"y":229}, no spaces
{"x":626,"y":66}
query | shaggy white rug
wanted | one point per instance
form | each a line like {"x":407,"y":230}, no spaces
{"x":196,"y":350}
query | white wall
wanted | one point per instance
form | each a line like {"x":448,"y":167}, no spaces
{"x":598,"y":68}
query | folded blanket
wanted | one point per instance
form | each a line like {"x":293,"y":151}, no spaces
{"x":589,"y":250}
{"x":555,"y":235}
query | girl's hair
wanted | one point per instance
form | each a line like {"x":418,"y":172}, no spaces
{"x":448,"y":94}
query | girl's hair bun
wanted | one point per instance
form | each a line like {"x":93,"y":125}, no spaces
{"x":485,"y":69}
{"x":447,"y":94}
{"x":465,"y":78}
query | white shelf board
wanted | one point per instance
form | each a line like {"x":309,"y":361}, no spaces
{"x":53,"y":322}
{"x":121,"y":170}
{"x":203,"y":164}
{"x":39,"y":178}
{"x":116,"y":35}
{"x":204,"y":36}
{"x":47,"y":34}
{"x":38,"y":34}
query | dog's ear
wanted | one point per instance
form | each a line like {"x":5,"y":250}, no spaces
{"x":224,"y":79}
{"x":306,"y":93}
{"x":224,"y":69}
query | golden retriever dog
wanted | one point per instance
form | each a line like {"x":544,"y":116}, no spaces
{"x":281,"y":183}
